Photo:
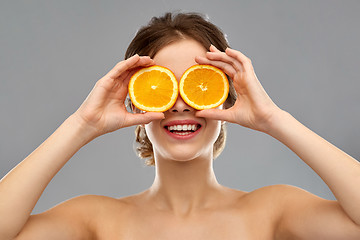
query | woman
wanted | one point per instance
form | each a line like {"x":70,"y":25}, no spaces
{"x":185,"y":200}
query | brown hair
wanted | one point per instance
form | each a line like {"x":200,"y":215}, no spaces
{"x":162,"y":31}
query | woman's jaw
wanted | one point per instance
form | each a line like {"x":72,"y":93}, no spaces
{"x":183,"y":137}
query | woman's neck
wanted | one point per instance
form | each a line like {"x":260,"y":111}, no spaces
{"x":183,"y":187}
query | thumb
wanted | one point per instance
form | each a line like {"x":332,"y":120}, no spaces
{"x":144,"y":118}
{"x":216,"y":114}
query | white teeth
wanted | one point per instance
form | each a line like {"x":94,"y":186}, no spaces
{"x":189,"y":127}
{"x":182,"y":133}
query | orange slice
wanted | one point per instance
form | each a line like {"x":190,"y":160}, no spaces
{"x":204,"y":87}
{"x":153,"y":89}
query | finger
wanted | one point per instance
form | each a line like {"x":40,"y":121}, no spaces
{"x":122,"y":66}
{"x":246,"y":62}
{"x":227,"y":68}
{"x":215,"y":114}
{"x":221,"y":56}
{"x":213,"y":49}
{"x":220,"y":59}
{"x":123,"y":89}
{"x":144,"y":118}
{"x":144,"y":61}
{"x":132,"y":62}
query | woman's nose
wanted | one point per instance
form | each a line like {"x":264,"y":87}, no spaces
{"x":180,"y":106}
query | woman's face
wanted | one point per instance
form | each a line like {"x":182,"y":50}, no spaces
{"x":181,"y":136}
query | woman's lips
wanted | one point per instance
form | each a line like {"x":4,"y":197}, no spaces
{"x":182,"y":129}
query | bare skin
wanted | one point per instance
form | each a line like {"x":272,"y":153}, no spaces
{"x":185,"y":200}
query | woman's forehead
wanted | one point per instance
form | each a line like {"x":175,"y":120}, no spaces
{"x":179,"y":56}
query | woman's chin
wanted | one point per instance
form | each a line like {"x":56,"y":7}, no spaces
{"x":183,"y":156}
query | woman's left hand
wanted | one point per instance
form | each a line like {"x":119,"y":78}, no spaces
{"x":253,"y":108}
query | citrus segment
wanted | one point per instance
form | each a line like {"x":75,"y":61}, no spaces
{"x":204,"y":87}
{"x":153,"y":89}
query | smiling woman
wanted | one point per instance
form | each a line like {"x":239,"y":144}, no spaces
{"x":199,"y":143}
{"x":167,"y":30}
{"x":185,"y":200}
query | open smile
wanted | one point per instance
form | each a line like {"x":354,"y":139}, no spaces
{"x":182,"y":129}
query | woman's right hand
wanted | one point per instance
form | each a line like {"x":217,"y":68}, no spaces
{"x":104,"y":109}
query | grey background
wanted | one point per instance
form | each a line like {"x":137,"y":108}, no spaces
{"x":305,"y":53}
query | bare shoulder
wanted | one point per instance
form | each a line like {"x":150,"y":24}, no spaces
{"x":299,"y":214}
{"x":280,"y":193}
{"x":76,"y":218}
{"x":281,"y":198}
{"x":277,"y":188}
{"x":287,"y":198}
{"x":99,"y":212}
{"x":269,"y":202}
{"x":273,"y":193}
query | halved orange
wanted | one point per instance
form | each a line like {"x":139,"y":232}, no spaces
{"x":153,"y":89}
{"x":204,"y":87}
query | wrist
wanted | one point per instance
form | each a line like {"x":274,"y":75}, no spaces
{"x":84,"y":132}
{"x":277,"y":123}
